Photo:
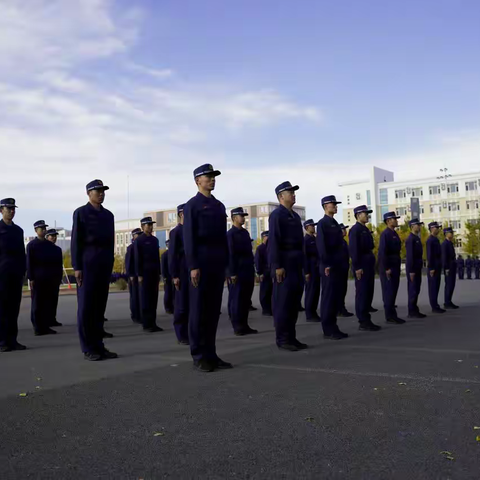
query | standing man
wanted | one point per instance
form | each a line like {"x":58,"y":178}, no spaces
{"x":263,"y":271}
{"x":241,"y":273}
{"x":331,"y":258}
{"x":168,"y":290}
{"x":460,"y":267}
{"x":12,"y":272}
{"x":342,"y":310}
{"x":414,"y":266}
{"x":363,"y":264}
{"x":57,"y":268}
{"x":476,"y":265}
{"x":389,"y":263}
{"x":449,"y":267}
{"x":177,"y":267}
{"x":147,"y":268}
{"x":312,"y":272}
{"x":286,"y":259}
{"x":469,"y":265}
{"x":133,"y":288}
{"x":41,"y":276}
{"x":93,"y":242}
{"x":206,"y":253}
{"x":434,"y":264}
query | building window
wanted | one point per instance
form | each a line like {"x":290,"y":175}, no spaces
{"x":422,"y":209}
{"x":263,"y":209}
{"x":401,"y":211}
{"x":473,"y":204}
{"x":458,"y":242}
{"x":452,"y":188}
{"x":172,"y":217}
{"x":436,"y":208}
{"x":348,"y":199}
{"x":369,"y":198}
{"x":471,"y":186}
{"x":417,"y":192}
{"x":434,"y":190}
{"x":358,"y":196}
{"x":383,"y":196}
{"x":400,"y":194}
{"x":456,"y":224}
{"x":453,"y":206}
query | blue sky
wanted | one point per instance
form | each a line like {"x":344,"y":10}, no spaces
{"x":312,"y":91}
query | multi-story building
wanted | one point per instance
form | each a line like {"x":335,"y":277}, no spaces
{"x":452,"y":199}
{"x":166,"y":219}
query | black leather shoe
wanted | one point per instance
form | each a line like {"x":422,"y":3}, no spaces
{"x":92,"y":357}
{"x":6,"y":348}
{"x":267,"y":314}
{"x":373,"y":310}
{"x":107,"y":354}
{"x":416,"y":315}
{"x":221,"y":365}
{"x":169,"y":312}
{"x":289,"y":347}
{"x":397,"y":321}
{"x":369,"y":327}
{"x":438,"y":310}
{"x":18,"y":346}
{"x":203,"y":366}
{"x":48,"y":331}
{"x":105,"y":319}
{"x":107,"y":335}
{"x":252,"y":309}
{"x":316,"y":319}
{"x":153,"y":329}
{"x":135,"y":320}
{"x":336,"y":336}
{"x":250,"y":331}
{"x":56,"y":324}
{"x":301,"y":309}
{"x":183,"y":342}
{"x":300,"y":345}
{"x":344,"y":314}
{"x":450,"y":306}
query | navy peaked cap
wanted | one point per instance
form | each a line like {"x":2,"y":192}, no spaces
{"x":264,"y":234}
{"x":434,"y":224}
{"x":52,"y":231}
{"x":40,"y":224}
{"x":448,"y":230}
{"x":146,"y":221}
{"x":96,"y":185}
{"x":136,"y":231}
{"x":330,"y":199}
{"x":238,"y":211}
{"x":283,"y":187}
{"x":8,"y":202}
{"x":361,"y":208}
{"x":388,"y":215}
{"x":415,"y":221}
{"x":343,"y":227}
{"x":180,"y":208}
{"x":206,"y":169}
{"x":309,"y":222}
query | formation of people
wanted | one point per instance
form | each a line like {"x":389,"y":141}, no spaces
{"x":292,"y":259}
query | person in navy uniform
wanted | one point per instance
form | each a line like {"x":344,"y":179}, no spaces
{"x":92,"y":247}
{"x":312,"y":272}
{"x":389,"y":263}
{"x":331,"y":259}
{"x":241,"y":273}
{"x":342,"y":309}
{"x":286,"y":259}
{"x":57,"y":267}
{"x":476,"y":266}
{"x":363,"y":266}
{"x":434,"y":266}
{"x":147,"y":268}
{"x":264,"y":274}
{"x":414,"y":266}
{"x":168,"y":288}
{"x":177,"y":267}
{"x":206,"y":253}
{"x":449,"y":265}
{"x":12,"y":273}
{"x":468,"y":266}
{"x":42,"y":280}
{"x":460,"y":267}
{"x":133,"y":288}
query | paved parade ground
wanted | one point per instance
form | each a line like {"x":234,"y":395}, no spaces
{"x":375,"y":406}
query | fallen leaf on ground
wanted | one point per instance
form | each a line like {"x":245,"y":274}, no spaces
{"x":478,"y":438}
{"x":158,"y":434}
{"x":476,"y":428}
{"x":22,"y":394}
{"x":449,"y":457}
{"x":39,"y":378}
{"x":445,"y":453}
{"x":401,"y":383}
{"x":467,"y":390}
{"x":459,"y":361}
{"x":37,"y":387}
{"x":375,"y":388}
{"x":309,"y":419}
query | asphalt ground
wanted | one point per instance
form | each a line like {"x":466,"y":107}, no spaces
{"x":380,"y":405}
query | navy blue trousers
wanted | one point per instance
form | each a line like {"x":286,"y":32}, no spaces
{"x":286,"y":299}
{"x":149,"y":299}
{"x":414,"y":292}
{"x":92,"y":299}
{"x":181,"y":307}
{"x":450,"y":281}
{"x":389,"y":292}
{"x":364,"y":289}
{"x":168,"y":295}
{"x":331,"y":287}
{"x":477,"y":273}
{"x":342,"y":293}
{"x":461,"y":273}
{"x":312,"y":292}
{"x":240,"y":297}
{"x":10,"y":298}
{"x":469,"y":273}
{"x":133,"y":288}
{"x":44,"y":302}
{"x":266,"y":292}
{"x":434,"y":288}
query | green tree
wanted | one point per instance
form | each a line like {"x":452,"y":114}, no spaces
{"x":119,"y":264}
{"x":472,"y":238}
{"x":67,"y":259}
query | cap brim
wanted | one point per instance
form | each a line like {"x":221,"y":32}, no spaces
{"x":344,"y":227}
{"x":336,"y":203}
{"x":214,"y":173}
{"x":242,"y":214}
